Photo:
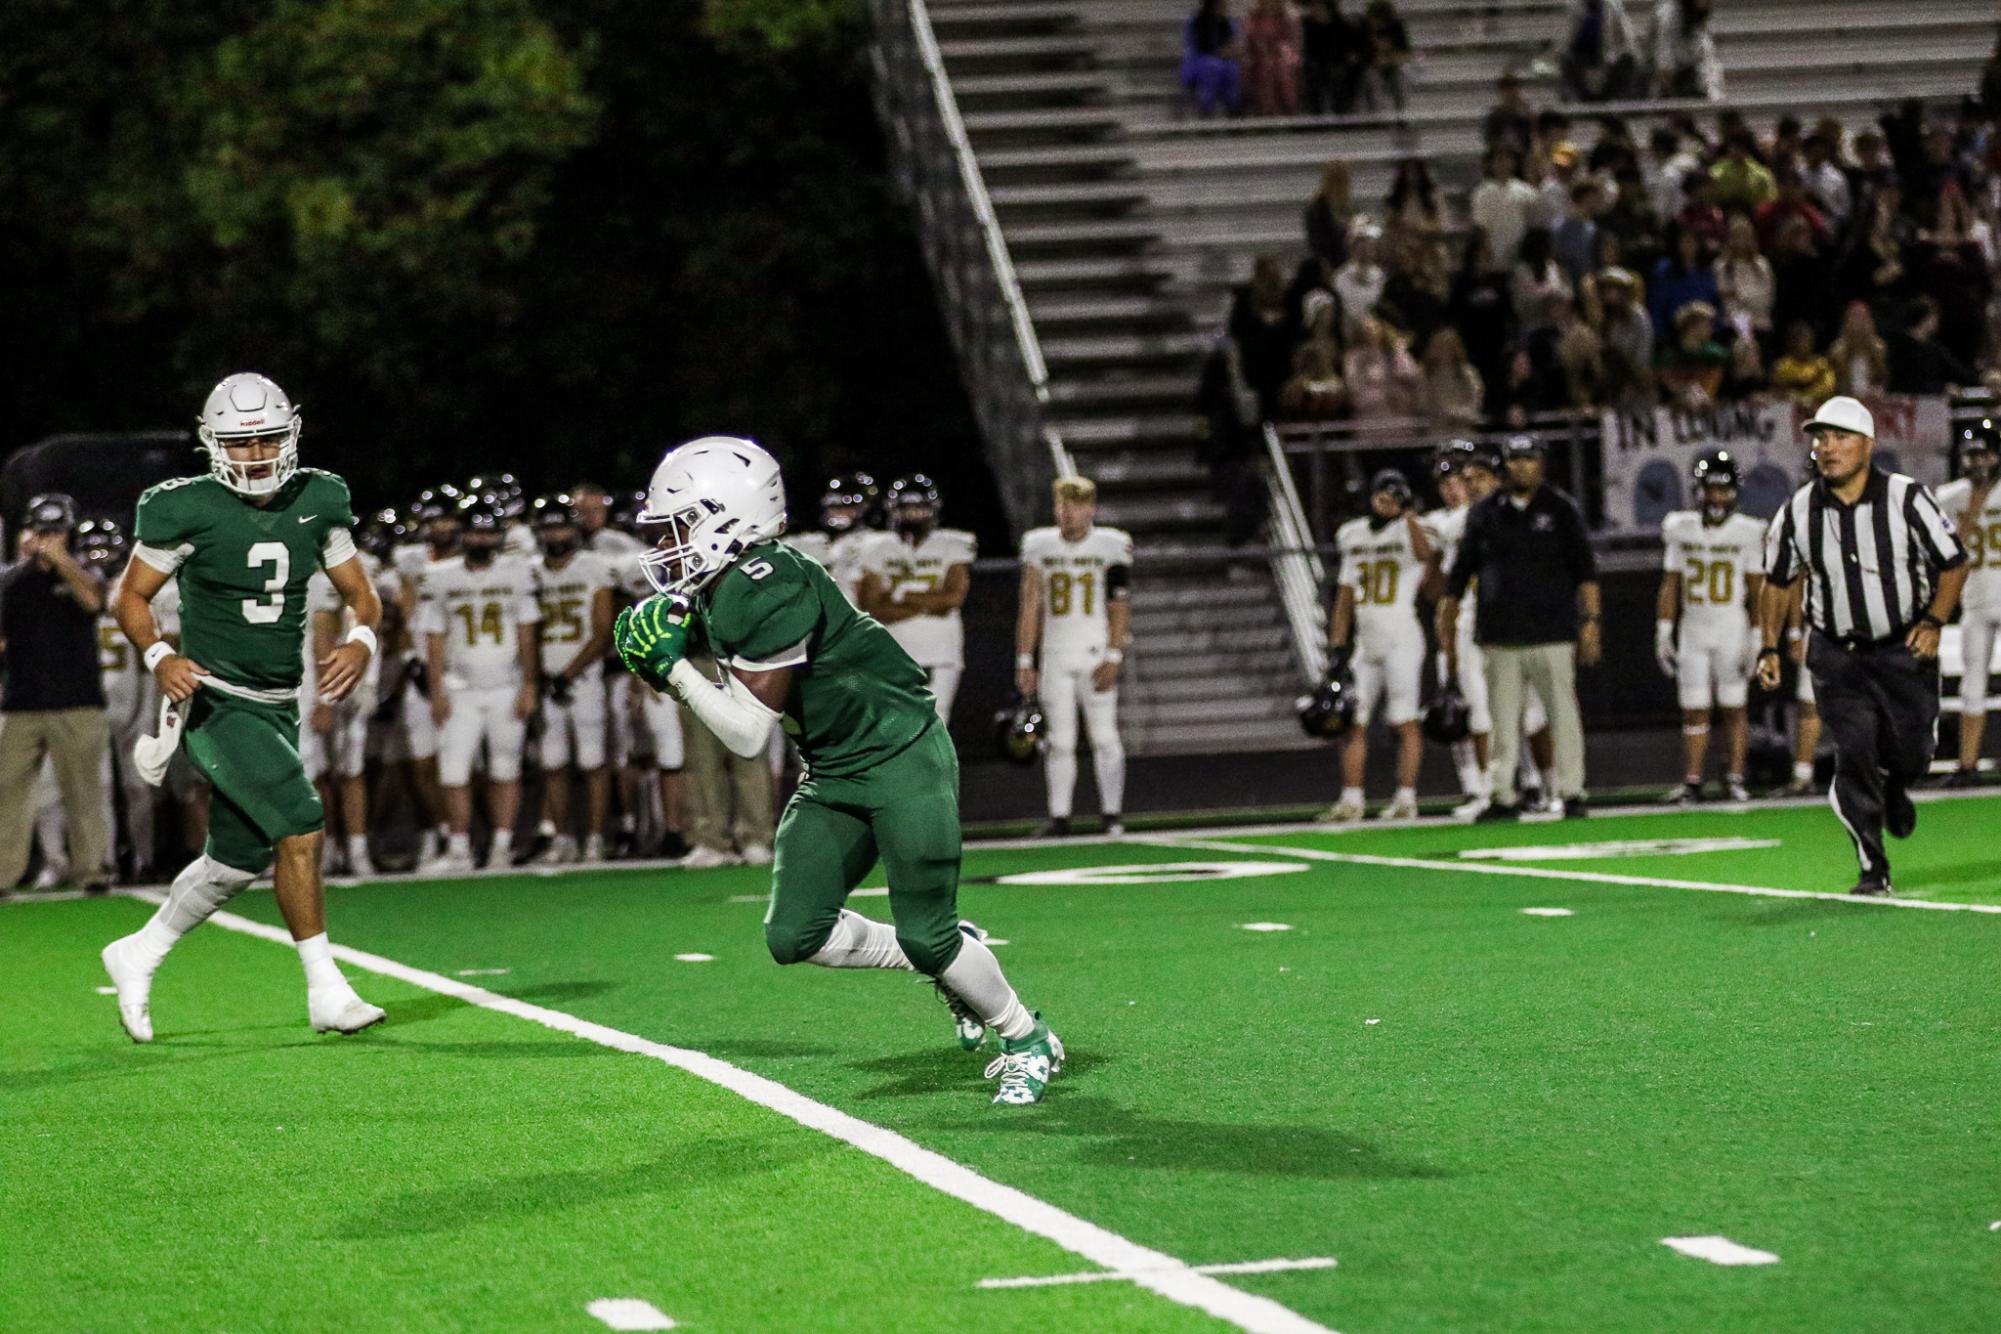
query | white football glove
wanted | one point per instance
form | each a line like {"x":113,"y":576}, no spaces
{"x":1664,"y":652}
{"x":151,"y":754}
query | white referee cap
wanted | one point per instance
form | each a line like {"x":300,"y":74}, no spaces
{"x":1842,"y":413}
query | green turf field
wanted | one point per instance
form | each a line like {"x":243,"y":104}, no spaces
{"x":1489,"y":1120}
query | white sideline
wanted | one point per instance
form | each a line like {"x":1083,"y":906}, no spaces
{"x":1133,"y":1275}
{"x":1550,"y":873}
{"x":1154,"y":1270}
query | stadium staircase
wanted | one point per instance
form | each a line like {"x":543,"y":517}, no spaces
{"x":1127,"y":220}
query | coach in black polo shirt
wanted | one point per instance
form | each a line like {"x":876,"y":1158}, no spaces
{"x":53,"y":705}
{"x":1883,"y":569}
{"x":1537,"y":617}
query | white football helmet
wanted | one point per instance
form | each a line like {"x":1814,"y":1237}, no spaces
{"x":712,"y":499}
{"x":245,"y":407}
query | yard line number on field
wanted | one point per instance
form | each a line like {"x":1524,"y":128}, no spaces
{"x":1156,"y":1271}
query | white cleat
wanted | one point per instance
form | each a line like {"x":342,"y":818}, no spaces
{"x":757,"y":854}
{"x":707,"y":859}
{"x":1341,"y":812}
{"x":562,"y":850}
{"x":447,"y":863}
{"x":339,"y":1010}
{"x":134,"y":983}
{"x":593,"y":849}
{"x":1469,"y":810}
{"x":1400,"y":808}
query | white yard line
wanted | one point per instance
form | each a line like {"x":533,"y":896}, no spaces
{"x":1133,"y":1276}
{"x":1153,"y":1270}
{"x":1551,"y":873}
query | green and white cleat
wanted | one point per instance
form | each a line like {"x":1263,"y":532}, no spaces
{"x":1026,"y":1067}
{"x":970,"y":1028}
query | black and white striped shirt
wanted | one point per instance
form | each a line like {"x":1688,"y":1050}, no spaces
{"x":1871,"y":567}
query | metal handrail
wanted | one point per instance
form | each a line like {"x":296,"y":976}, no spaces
{"x":1295,"y":565}
{"x":978,"y":288}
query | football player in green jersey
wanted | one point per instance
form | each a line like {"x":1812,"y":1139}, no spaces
{"x":243,"y":541}
{"x":881,"y":777}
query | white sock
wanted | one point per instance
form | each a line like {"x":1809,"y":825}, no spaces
{"x":203,"y":885}
{"x":1059,"y":770}
{"x":459,"y":845}
{"x":547,"y":829}
{"x":427,"y":845}
{"x":1406,"y":794}
{"x":975,"y":977}
{"x":1802,"y":769}
{"x":1549,"y":787}
{"x":1351,"y":796}
{"x":860,"y":942}
{"x":503,"y":846}
{"x":316,"y":953}
{"x":357,"y":851}
{"x":1109,"y":764}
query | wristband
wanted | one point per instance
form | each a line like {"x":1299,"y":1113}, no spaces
{"x":1768,"y":652}
{"x":1931,"y":620}
{"x":361,"y":634}
{"x":158,"y":654}
{"x":1589,"y":618}
{"x":1024,"y":661}
{"x":1115,"y":656}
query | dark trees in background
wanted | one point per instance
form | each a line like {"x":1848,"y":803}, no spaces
{"x":552,"y":235}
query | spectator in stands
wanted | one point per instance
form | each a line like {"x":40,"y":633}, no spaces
{"x":1500,"y":206}
{"x":1802,"y":374}
{"x":1328,"y":214}
{"x":1919,"y":363}
{"x":1626,"y":342}
{"x":1700,"y":215}
{"x":1578,"y":353}
{"x":1791,"y":203}
{"x":1509,"y":124}
{"x":1948,"y":266}
{"x":1211,"y":52}
{"x":1272,"y":57}
{"x":1871,"y":172}
{"x":1742,"y":182}
{"x":1480,"y":309}
{"x":1744,"y":375}
{"x":1690,"y":368}
{"x":1614,"y":148}
{"x":1669,"y":162}
{"x":1601,"y":55}
{"x":1682,"y":276}
{"x":1316,"y":391}
{"x":1331,"y":47}
{"x":1359,"y":283}
{"x":1825,"y":182}
{"x":1383,"y":380}
{"x":1861,"y":358}
{"x":1802,"y":287}
{"x":1631,"y":222}
{"x":1536,"y":283}
{"x":1873,"y":271}
{"x":1453,"y":394}
{"x":1744,"y":283}
{"x":1990,"y":80}
{"x":1787,"y":143}
{"x":1412,"y":202}
{"x":1320,"y":318}
{"x":52,"y":707}
{"x":1551,"y":176}
{"x":1387,"y":45}
{"x":1313,"y":276}
{"x":1685,"y":60}
{"x":1574,"y":242}
{"x":1262,"y":331}
{"x":1416,"y":296}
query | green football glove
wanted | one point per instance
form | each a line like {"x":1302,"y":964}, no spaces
{"x":652,"y":637}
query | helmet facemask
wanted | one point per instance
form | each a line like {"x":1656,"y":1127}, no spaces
{"x":252,"y":477}
{"x":675,"y":561}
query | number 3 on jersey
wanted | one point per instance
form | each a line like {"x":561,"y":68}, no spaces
{"x":259,"y":611}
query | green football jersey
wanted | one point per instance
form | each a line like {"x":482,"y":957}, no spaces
{"x":857,"y":698}
{"x":243,"y":568}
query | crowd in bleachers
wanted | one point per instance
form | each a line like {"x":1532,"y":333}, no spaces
{"x":1592,"y":266}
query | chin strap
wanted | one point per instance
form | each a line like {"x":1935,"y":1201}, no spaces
{"x":739,"y":719}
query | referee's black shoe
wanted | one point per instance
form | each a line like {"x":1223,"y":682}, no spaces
{"x":1900,"y":816}
{"x":1872,"y":886}
{"x":1494,"y":812}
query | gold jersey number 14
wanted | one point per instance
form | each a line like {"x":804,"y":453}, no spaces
{"x":483,"y":624}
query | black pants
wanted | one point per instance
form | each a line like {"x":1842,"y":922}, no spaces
{"x":1880,"y":704}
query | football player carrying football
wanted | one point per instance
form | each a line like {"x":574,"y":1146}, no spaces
{"x":243,"y":542}
{"x":881,"y":776}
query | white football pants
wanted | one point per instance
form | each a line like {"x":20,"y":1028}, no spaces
{"x":1065,"y":689}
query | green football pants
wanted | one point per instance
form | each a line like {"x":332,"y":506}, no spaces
{"x":907,"y":812}
{"x":249,"y":752}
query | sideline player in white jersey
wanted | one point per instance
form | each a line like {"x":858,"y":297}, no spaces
{"x":1973,"y":502}
{"x":576,"y":596}
{"x":846,"y":507}
{"x":1076,"y":586}
{"x":339,"y":731}
{"x":914,"y":580}
{"x":131,"y":699}
{"x":479,"y":621}
{"x":1383,"y":560}
{"x":1713,"y":564}
{"x":1466,"y":474}
{"x":436,"y":517}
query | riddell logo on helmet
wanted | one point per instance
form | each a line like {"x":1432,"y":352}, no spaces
{"x":251,"y":421}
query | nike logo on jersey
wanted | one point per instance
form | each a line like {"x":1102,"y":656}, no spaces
{"x":307,"y":518}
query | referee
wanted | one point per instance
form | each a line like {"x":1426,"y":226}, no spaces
{"x":1883,"y":569}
